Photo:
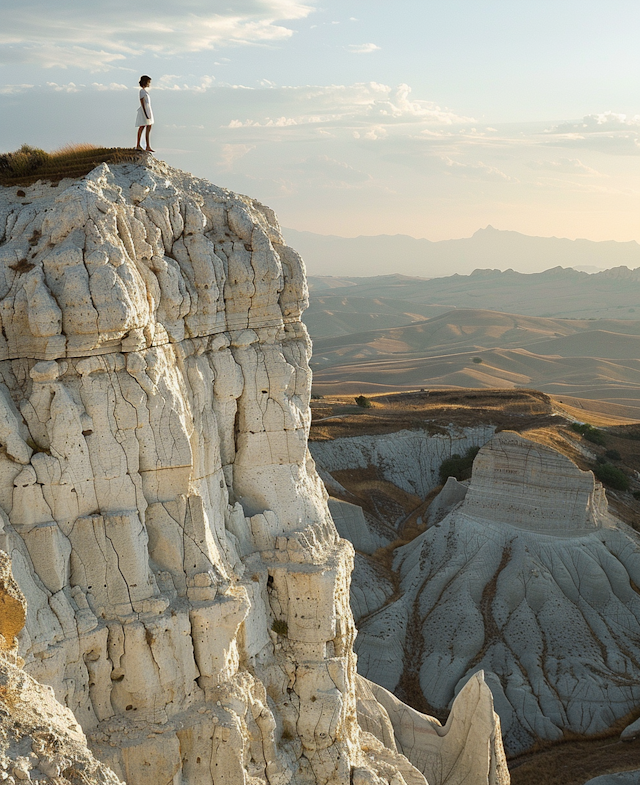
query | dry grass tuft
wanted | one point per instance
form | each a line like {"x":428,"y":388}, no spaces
{"x":30,"y":164}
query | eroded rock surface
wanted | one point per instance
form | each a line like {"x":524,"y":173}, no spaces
{"x":40,"y":740}
{"x":188,"y":594}
{"x":409,"y":459}
{"x":529,"y":578}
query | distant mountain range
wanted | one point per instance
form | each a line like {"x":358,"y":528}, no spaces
{"x":340,"y":306}
{"x":487,"y":248}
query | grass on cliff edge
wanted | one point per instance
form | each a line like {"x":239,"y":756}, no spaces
{"x":29,"y":164}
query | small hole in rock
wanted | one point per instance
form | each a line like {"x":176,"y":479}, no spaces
{"x":129,"y":707}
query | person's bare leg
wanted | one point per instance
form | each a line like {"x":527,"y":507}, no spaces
{"x":148,"y":143}
{"x":138,"y":145}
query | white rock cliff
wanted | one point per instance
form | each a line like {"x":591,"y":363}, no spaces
{"x":40,"y":740}
{"x":188,"y":594}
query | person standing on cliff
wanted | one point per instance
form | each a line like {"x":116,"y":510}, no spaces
{"x":144,"y":118}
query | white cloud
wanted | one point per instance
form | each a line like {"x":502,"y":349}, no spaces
{"x":362,"y":49}
{"x":566,"y":166}
{"x":366,"y":109}
{"x":597,"y":123}
{"x":70,"y":87}
{"x":608,"y":132}
{"x":13,"y":89}
{"x":173,"y":82}
{"x":50,"y":55}
{"x":97,"y":36}
{"x":477,"y":171}
{"x":110,"y":86}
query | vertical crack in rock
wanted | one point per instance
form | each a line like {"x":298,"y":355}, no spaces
{"x":187,"y":591}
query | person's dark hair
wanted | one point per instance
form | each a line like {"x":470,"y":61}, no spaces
{"x":144,"y":81}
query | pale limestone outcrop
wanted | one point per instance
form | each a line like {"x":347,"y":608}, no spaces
{"x":435,"y":750}
{"x":452,"y":493}
{"x":188,"y":594}
{"x":353,"y":525}
{"x":530,"y":579}
{"x":40,"y":740}
{"x":409,"y":459}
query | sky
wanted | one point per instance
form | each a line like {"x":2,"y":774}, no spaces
{"x":430,"y":118}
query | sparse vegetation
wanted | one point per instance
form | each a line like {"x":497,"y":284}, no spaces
{"x":280,"y":627}
{"x":458,"y":466}
{"x":594,"y":435}
{"x":610,"y":475}
{"x":363,"y":402}
{"x":476,"y":360}
{"x":29,"y":164}
{"x":613,"y":455}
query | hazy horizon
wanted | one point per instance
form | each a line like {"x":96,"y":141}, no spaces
{"x":479,"y":230}
{"x":485,"y":249}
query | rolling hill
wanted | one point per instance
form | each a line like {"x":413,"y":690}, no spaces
{"x":583,"y":358}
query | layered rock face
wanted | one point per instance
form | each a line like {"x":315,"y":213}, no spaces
{"x":529,"y":578}
{"x":408,"y":459}
{"x":520,"y":483}
{"x":40,"y":740}
{"x":188,"y":594}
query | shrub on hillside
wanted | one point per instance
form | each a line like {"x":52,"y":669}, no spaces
{"x":458,"y":466}
{"x":23,"y":161}
{"x":610,"y":475}
{"x":613,"y":455}
{"x":476,"y":359}
{"x":363,"y":402}
{"x":589,"y":432}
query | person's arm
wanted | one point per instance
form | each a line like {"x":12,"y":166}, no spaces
{"x":144,"y":108}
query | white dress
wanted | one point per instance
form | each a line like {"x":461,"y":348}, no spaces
{"x":140,"y":117}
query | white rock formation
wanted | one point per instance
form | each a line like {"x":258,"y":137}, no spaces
{"x":530,"y":579}
{"x":188,"y":595}
{"x":40,"y":740}
{"x":452,"y":493}
{"x":371,"y":587}
{"x":409,"y":459}
{"x":365,"y":535}
{"x":433,"y":749}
